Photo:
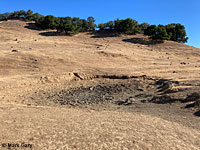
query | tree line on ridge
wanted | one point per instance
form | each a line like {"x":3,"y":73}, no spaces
{"x":73,"y":25}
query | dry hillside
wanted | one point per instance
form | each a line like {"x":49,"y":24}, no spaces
{"x":96,"y":91}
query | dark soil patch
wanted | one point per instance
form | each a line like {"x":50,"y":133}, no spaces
{"x":192,"y":97}
{"x":120,"y":90}
{"x":163,"y":99}
{"x":126,"y":92}
{"x":116,"y":90}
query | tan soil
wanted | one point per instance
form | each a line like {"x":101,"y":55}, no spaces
{"x":44,"y":66}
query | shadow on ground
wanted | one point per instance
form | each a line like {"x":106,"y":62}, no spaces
{"x":197,"y":113}
{"x":165,"y":99}
{"x":50,"y":33}
{"x":142,"y":41}
{"x":32,"y":26}
{"x":103,"y":34}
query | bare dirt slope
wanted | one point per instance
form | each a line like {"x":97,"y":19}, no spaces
{"x":92,"y":91}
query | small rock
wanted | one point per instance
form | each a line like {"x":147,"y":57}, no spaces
{"x":183,"y":63}
{"x":129,"y":100}
{"x":144,"y":101}
{"x":14,"y":50}
{"x":140,"y":89}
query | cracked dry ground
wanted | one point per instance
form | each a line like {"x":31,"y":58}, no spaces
{"x":96,"y":91}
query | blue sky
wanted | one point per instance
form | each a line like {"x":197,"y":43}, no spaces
{"x":186,"y":12}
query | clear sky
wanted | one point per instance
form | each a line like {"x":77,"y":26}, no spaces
{"x":186,"y":12}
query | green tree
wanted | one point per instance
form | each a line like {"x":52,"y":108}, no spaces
{"x":36,"y":17}
{"x":48,"y":22}
{"x":157,"y":32}
{"x":161,"y":33}
{"x":177,"y":32}
{"x":21,"y":13}
{"x":170,"y":28}
{"x":40,"y":22}
{"x":144,"y":26}
{"x":2,"y":17}
{"x":84,"y":25}
{"x":110,"y":25}
{"x":14,"y":15}
{"x":76,"y":25}
{"x":127,"y":26}
{"x":91,"y":23}
{"x":58,"y":23}
{"x":116,"y":24}
{"x":7,"y":15}
{"x":28,"y":14}
{"x":67,"y":25}
{"x":106,"y":26}
{"x":17,"y":14}
{"x":102,"y":26}
{"x":181,"y":33}
{"x":151,"y":30}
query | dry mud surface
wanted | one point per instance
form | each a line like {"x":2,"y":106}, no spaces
{"x":96,"y":91}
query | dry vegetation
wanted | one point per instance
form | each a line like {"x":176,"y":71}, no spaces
{"x":97,"y":91}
